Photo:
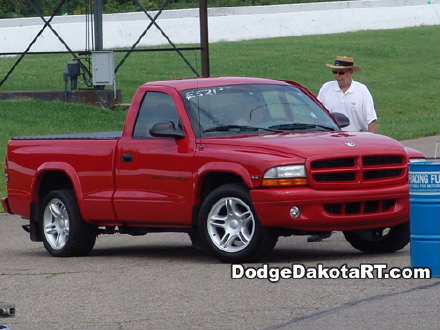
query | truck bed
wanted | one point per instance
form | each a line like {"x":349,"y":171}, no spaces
{"x":114,"y":135}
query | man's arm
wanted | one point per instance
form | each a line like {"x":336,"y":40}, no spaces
{"x":372,"y":127}
{"x":370,"y":111}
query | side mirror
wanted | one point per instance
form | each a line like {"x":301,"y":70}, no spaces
{"x":166,"y":129}
{"x":341,"y":119}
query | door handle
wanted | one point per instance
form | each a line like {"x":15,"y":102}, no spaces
{"x":127,"y":158}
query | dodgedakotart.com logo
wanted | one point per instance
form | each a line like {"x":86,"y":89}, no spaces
{"x":297,"y":271}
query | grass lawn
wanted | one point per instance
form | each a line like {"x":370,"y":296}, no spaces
{"x":400,"y":67}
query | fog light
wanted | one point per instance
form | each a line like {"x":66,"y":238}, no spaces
{"x":295,"y":212}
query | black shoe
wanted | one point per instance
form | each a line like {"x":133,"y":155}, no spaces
{"x":319,"y":237}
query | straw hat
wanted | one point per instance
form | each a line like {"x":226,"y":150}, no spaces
{"x":344,"y":62}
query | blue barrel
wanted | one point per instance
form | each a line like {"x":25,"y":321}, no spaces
{"x":424,"y":183}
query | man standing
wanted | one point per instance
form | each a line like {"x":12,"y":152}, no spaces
{"x":349,"y":97}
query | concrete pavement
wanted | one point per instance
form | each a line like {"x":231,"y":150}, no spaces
{"x":427,"y":145}
{"x":159,"y":282}
{"x":416,"y":308}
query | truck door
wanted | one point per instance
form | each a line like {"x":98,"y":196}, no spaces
{"x":154,"y":175}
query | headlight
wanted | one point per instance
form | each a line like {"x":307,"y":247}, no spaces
{"x":285,"y":176}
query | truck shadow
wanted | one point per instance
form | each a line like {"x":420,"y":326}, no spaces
{"x":175,"y":248}
{"x":285,"y":255}
{"x":177,"y":252}
{"x":290,"y":255}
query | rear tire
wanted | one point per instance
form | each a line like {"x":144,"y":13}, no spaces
{"x":229,"y":226}
{"x":64,"y":232}
{"x":379,"y":240}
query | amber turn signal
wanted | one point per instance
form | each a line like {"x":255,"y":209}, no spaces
{"x":291,"y":182}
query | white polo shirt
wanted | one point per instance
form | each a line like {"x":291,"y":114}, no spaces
{"x":356,"y":103}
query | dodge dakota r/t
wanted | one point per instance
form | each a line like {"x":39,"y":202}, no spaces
{"x":235,"y":162}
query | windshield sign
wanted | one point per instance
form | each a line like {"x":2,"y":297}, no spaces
{"x":238,"y":109}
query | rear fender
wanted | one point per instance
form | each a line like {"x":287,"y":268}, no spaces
{"x":69,"y":171}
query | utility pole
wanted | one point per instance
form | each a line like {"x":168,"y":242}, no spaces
{"x":204,"y":41}
{"x":99,"y":41}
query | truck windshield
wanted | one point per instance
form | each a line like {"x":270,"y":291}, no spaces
{"x":254,"y":108}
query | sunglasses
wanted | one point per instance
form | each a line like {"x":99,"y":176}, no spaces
{"x":341,"y":73}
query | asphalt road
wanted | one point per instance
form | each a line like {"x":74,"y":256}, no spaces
{"x":159,"y":281}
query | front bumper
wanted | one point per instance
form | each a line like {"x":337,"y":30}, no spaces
{"x":332,"y":209}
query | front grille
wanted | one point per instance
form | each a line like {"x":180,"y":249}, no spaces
{"x":357,"y":170}
{"x":363,"y":207}
{"x":329,"y":177}
{"x":332,"y":163}
{"x":381,"y":174}
{"x":381,"y":160}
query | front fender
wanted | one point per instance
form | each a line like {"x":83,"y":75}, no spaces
{"x":413,"y":153}
{"x":220,"y":168}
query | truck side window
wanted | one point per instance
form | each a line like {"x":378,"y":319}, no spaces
{"x":156,"y":107}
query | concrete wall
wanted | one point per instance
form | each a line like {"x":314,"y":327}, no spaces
{"x":225,"y":24}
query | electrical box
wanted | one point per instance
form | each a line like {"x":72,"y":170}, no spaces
{"x":103,"y":68}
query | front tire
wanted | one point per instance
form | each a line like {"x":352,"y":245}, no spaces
{"x":379,"y":240}
{"x":229,"y":226}
{"x":64,"y":232}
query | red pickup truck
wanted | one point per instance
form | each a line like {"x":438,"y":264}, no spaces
{"x":234,"y":162}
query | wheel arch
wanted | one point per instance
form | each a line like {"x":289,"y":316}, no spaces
{"x":55,"y":176}
{"x":214,"y":180}
{"x":213,"y":175}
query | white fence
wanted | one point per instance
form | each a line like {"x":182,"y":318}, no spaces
{"x":225,"y":24}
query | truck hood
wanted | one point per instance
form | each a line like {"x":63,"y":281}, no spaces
{"x":306,"y":145}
